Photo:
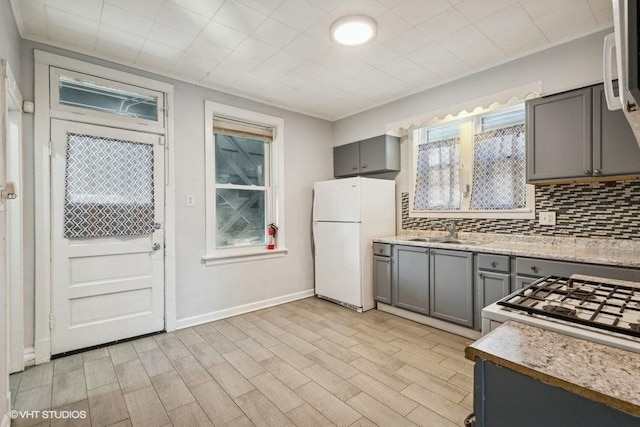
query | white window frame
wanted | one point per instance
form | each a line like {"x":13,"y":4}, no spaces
{"x":468,"y":126}
{"x":274,"y":198}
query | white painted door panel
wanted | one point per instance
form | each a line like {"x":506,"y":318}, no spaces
{"x":337,"y":200}
{"x":337,"y":266}
{"x":104,"y":288}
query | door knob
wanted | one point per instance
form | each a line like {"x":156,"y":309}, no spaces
{"x":157,"y":226}
{"x":156,"y":247}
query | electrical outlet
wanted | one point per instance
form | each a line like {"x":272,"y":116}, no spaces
{"x":191,"y":200}
{"x":547,"y":218}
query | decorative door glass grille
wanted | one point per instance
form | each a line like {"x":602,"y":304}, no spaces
{"x":108,"y":187}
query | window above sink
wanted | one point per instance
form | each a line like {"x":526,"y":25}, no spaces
{"x":471,"y":167}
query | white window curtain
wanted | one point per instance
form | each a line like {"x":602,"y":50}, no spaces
{"x":437,"y":175}
{"x":499,"y":169}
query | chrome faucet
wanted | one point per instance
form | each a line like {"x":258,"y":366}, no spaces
{"x":451,"y":227}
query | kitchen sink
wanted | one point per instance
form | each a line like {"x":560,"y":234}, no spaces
{"x":460,"y":242}
{"x":425,"y":239}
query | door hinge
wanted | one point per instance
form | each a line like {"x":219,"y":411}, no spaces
{"x":161,"y":140}
{"x":51,"y":320}
{"x":50,"y":147}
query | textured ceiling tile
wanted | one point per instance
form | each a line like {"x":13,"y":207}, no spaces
{"x":181,"y":19}
{"x":170,"y":37}
{"x":275,"y":33}
{"x":209,"y":50}
{"x":33,"y":12}
{"x":263,"y":6}
{"x":443,"y":24}
{"x":223,"y":35}
{"x":115,"y":43}
{"x":148,"y":8}
{"x":573,"y":18}
{"x":417,"y":11}
{"x":126,"y":21}
{"x":206,"y":8}
{"x":238,"y":16}
{"x":298,"y":14}
{"x":194,"y":67}
{"x":89,"y":9}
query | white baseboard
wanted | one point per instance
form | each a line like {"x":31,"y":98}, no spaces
{"x":430,"y":321}
{"x":241,"y":309}
{"x":6,"y":421}
{"x":29,"y":356}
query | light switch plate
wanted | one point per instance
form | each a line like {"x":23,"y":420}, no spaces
{"x":547,"y":218}
{"x":191,"y":200}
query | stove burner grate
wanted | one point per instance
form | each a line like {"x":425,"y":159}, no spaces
{"x":591,"y":303}
{"x":559,"y":310}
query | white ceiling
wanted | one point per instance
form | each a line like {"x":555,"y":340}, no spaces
{"x":279,"y":52}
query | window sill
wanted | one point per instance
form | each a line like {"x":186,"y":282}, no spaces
{"x":487,"y":214}
{"x":258,"y":254}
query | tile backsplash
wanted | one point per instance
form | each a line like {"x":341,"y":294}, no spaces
{"x":608,"y":210}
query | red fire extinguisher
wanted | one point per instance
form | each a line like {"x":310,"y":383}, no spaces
{"x":272,"y":231}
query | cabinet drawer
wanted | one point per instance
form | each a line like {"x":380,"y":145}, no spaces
{"x":493,"y":262}
{"x":542,"y":268}
{"x":382,"y":249}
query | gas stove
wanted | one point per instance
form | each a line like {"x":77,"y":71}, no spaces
{"x":597,"y":309}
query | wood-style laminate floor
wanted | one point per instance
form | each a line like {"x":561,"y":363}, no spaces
{"x":305,"y":363}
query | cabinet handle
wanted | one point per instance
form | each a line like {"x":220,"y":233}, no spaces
{"x":355,"y":168}
{"x":494,"y":264}
{"x":480,"y":275}
{"x":534,"y":268}
{"x":364,"y":166}
{"x":587,"y":172}
{"x":597,"y":171}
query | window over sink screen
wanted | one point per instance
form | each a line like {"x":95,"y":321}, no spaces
{"x":474,"y":167}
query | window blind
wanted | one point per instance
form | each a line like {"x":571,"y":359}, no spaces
{"x":225,"y":126}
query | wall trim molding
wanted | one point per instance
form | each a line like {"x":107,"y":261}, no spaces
{"x":29,"y":356}
{"x":241,"y":309}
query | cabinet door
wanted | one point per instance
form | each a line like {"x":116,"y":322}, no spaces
{"x":559,"y":136}
{"x":615,"y":150}
{"x":523,"y":282}
{"x":490,"y":287}
{"x":346,"y":160}
{"x":410,"y":282}
{"x":382,"y":279}
{"x":380,"y":154}
{"x":451,"y":286}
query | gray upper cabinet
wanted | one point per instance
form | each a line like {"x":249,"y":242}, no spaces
{"x":410,"y":280}
{"x":573,"y":135}
{"x":559,"y":136}
{"x":615,"y":150}
{"x":373,"y":155}
{"x":346,"y":160}
{"x":451,"y":288}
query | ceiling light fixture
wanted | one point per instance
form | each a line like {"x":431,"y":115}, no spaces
{"x":353,"y":30}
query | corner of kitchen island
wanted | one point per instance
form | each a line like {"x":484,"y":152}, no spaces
{"x":528,"y":376}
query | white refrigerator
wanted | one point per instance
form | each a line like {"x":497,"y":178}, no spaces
{"x":347,"y":214}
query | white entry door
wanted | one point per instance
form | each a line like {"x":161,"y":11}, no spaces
{"x":107,"y":235}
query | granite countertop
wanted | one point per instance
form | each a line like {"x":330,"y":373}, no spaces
{"x":597,"y":372}
{"x":621,"y":253}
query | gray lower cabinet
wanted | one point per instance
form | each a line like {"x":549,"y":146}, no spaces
{"x":451,"y":286}
{"x":410,"y":279}
{"x":382,"y":279}
{"x":490,"y":287}
{"x":524,"y":281}
{"x":505,"y":398}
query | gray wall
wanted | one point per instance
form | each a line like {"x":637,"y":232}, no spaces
{"x":201,"y":289}
{"x":568,"y":66}
{"x":571,"y":65}
{"x":9,"y":51}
